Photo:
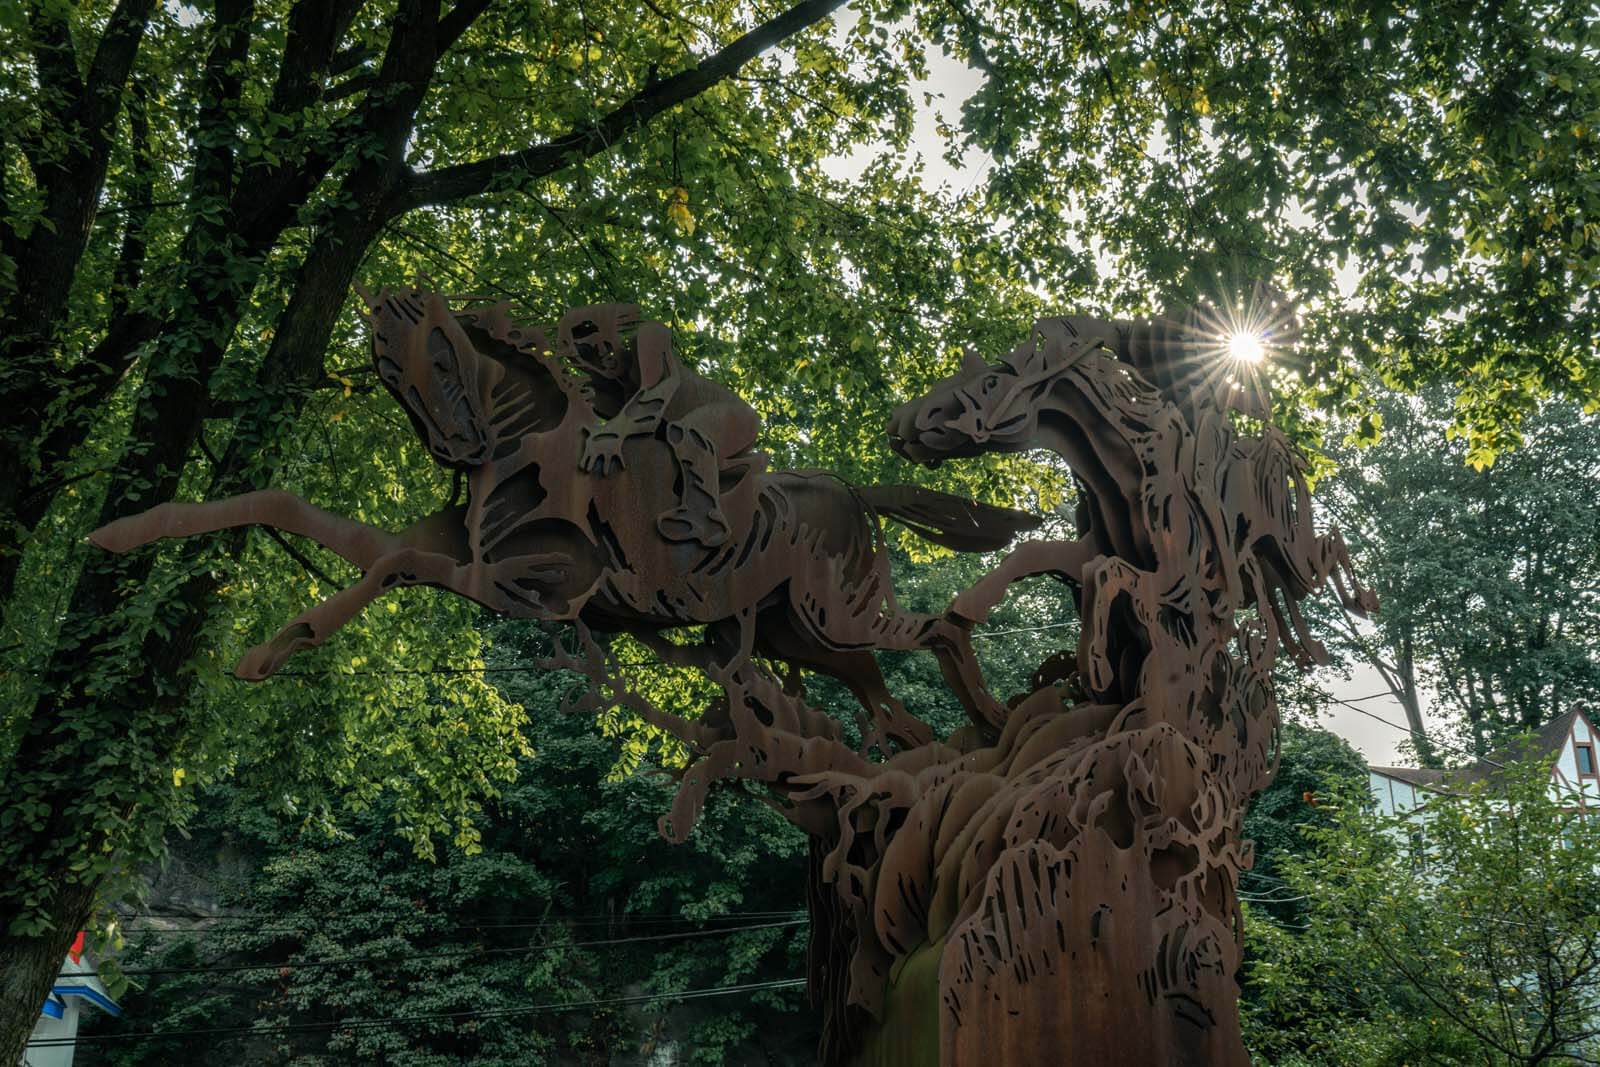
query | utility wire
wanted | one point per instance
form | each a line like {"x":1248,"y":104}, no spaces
{"x":543,"y":918}
{"x":363,"y":1024}
{"x":1026,"y":629}
{"x":1363,"y":700}
{"x":219,"y":924}
{"x":449,"y":670}
{"x":1406,"y":730}
{"x":235,"y":968}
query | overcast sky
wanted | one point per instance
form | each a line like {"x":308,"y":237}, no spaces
{"x":951,"y":82}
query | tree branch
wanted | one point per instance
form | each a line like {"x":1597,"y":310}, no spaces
{"x":54,"y":60}
{"x":130,"y":257}
{"x":453,"y":25}
{"x":113,"y":60}
{"x":315,"y":27}
{"x":447,"y":184}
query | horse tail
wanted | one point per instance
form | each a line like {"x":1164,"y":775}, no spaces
{"x":964,"y":525}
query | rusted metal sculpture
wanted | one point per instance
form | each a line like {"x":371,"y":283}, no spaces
{"x":1053,"y":883}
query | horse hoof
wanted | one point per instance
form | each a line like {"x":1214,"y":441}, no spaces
{"x":257,"y":665}
{"x":967,"y":611}
{"x":116,"y":537}
{"x":263,"y":661}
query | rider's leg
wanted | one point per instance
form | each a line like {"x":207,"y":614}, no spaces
{"x":697,"y":516}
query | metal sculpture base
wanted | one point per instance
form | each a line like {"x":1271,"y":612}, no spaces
{"x":1055,"y":882}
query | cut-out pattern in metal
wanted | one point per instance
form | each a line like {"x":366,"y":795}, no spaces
{"x":1054,"y":882}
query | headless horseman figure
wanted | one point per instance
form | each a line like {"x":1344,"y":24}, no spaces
{"x":642,"y":389}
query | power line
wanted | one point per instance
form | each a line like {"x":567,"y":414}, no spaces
{"x":222,"y":924}
{"x":455,"y":953}
{"x":363,"y":1024}
{"x":635,"y":664}
{"x":543,"y":918}
{"x":1263,"y":877}
{"x":1406,"y":730}
{"x":1026,"y":629}
{"x":1369,"y":696}
{"x":446,"y":670}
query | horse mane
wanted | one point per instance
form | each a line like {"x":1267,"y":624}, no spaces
{"x":522,"y":401}
{"x":533,"y":390}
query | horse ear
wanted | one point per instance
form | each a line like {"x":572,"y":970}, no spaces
{"x":437,"y":310}
{"x":654,"y":341}
{"x":971,"y":362}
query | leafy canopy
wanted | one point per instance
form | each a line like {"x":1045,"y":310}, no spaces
{"x":1465,"y":932}
{"x":194,"y":188}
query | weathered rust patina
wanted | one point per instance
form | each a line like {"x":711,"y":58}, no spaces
{"x":1053,"y":883}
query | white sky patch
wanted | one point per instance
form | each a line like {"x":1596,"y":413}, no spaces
{"x":948,"y":85}
{"x":1378,"y":742}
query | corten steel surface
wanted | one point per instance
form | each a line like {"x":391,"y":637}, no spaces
{"x":1053,"y":883}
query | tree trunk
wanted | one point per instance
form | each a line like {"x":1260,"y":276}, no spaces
{"x":28,"y":968}
{"x":120,"y":702}
{"x":1411,"y":702}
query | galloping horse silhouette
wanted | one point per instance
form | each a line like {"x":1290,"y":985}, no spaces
{"x":1238,"y":519}
{"x":540,"y":536}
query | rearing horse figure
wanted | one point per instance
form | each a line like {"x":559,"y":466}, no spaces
{"x":1165,"y":486}
{"x":1115,"y":848}
{"x":801,"y":573}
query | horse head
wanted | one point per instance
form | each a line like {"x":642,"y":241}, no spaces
{"x":995,"y":407}
{"x":425,"y":359}
{"x":473,"y":381}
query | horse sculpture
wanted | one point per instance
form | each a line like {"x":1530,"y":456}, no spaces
{"x":801,"y":575}
{"x":1061,"y":886}
{"x":1055,"y":882}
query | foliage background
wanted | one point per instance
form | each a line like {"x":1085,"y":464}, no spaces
{"x":186,"y":193}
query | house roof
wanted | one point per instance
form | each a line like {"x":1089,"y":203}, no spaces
{"x":1546,"y":746}
{"x":1423,"y":776}
{"x":78,"y":978}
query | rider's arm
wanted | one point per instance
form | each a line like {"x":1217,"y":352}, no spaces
{"x":660,"y":374}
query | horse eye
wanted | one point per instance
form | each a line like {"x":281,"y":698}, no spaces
{"x":991,"y":382}
{"x":440,"y":347}
{"x":388,"y":369}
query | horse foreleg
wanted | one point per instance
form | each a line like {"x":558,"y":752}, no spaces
{"x":312,"y":627}
{"x":1063,"y":560}
{"x":1104,"y":581}
{"x":884,"y":719}
{"x":357,"y":542}
{"x":952,"y":647}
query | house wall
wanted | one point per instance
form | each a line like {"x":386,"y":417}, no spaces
{"x":48,"y":1029}
{"x":1394,"y":797}
{"x":1564,"y":773}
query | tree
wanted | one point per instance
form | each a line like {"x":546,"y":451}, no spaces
{"x":572,"y":897}
{"x":1488,"y":578}
{"x":171,"y":292}
{"x":572,"y":839}
{"x":1441,"y":159}
{"x":1313,"y":766}
{"x":1465,"y":932}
